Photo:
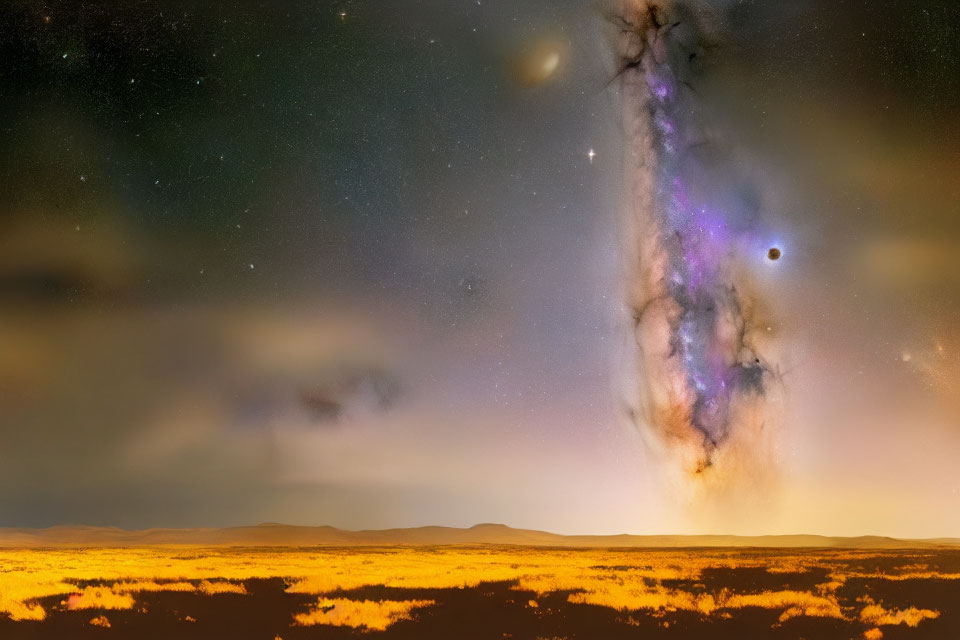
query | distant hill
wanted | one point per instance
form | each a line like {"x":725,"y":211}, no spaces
{"x":278,"y":535}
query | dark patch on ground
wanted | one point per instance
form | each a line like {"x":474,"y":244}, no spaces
{"x":749,"y":580}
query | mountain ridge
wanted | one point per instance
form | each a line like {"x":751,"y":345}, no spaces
{"x":280,"y":535}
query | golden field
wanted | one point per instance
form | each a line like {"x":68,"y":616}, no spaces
{"x":705,"y":585}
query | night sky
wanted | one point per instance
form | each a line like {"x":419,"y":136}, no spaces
{"x":358,"y":263}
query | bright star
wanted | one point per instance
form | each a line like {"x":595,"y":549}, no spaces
{"x":591,"y":154}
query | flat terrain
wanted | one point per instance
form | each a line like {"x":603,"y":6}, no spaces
{"x":478,"y":592}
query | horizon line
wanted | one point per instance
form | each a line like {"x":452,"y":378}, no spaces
{"x":5,"y":527}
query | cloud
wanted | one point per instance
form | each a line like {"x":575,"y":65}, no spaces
{"x":910,"y":262}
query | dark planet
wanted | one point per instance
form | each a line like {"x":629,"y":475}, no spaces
{"x":774,"y":253}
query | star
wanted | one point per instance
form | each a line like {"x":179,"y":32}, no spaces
{"x":591,"y":154}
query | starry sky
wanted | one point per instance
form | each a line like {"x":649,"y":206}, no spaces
{"x":358,"y":264}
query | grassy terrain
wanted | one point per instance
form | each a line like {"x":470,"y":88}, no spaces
{"x":541,"y":592}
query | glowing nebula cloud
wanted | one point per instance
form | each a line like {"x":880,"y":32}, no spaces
{"x":703,"y":386}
